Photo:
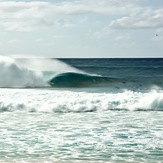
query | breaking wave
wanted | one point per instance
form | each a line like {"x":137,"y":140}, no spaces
{"x":77,"y":80}
{"x":37,"y":73}
{"x":15,"y":75}
{"x":72,"y":79}
{"x":52,"y":101}
{"x":29,"y":72}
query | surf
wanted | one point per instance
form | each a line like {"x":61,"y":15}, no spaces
{"x":30,"y":73}
{"x":14,"y":75}
{"x":64,"y":101}
{"x":53,"y":73}
{"x":86,"y":80}
{"x":73,"y":79}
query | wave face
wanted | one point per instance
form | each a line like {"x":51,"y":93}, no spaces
{"x":77,"y":80}
{"x":71,"y":79}
{"x":120,"y":73}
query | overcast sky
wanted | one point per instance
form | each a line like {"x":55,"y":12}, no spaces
{"x":81,"y":28}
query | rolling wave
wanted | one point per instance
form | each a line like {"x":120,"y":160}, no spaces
{"x":36,"y":73}
{"x":77,"y":80}
{"x":72,"y":79}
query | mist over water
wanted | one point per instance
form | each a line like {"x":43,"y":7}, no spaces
{"x":15,"y":75}
{"x":45,"y":64}
{"x":29,"y":72}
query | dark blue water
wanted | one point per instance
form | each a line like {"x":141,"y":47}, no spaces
{"x":126,"y":67}
{"x":126,"y":73}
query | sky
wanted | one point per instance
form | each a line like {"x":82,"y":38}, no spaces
{"x":81,"y":28}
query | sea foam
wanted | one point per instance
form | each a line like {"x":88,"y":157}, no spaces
{"x":50,"y":101}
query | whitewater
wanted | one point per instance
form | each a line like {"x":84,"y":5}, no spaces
{"x":81,"y":110}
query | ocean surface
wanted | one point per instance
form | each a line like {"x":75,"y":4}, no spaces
{"x":81,"y":110}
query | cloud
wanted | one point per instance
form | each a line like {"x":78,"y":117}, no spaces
{"x":99,"y":7}
{"x":122,"y":38}
{"x":13,"y":41}
{"x":149,"y":18}
{"x":33,"y":15}
{"x":40,"y":9}
{"x":27,"y":16}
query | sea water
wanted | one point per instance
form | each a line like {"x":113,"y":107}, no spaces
{"x":111,"y":111}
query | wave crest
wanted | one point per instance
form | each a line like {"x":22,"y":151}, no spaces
{"x":30,"y":72}
{"x":14,"y":75}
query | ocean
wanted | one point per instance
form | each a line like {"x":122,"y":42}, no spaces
{"x":98,"y":110}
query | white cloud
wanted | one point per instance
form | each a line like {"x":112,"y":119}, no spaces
{"x":39,"y":40}
{"x":32,"y":15}
{"x":41,"y":9}
{"x":122,"y":37}
{"x":13,"y":41}
{"x":17,"y":25}
{"x":27,"y":16}
{"x":49,"y":44}
{"x":101,"y":7}
{"x":149,"y":18}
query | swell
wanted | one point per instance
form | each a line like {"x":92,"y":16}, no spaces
{"x":123,"y":71}
{"x":71,"y":79}
{"x":35,"y":73}
{"x":119,"y":67}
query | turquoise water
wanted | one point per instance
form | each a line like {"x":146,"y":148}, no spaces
{"x":32,"y":133}
{"x":81,"y":110}
{"x":117,"y":136}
